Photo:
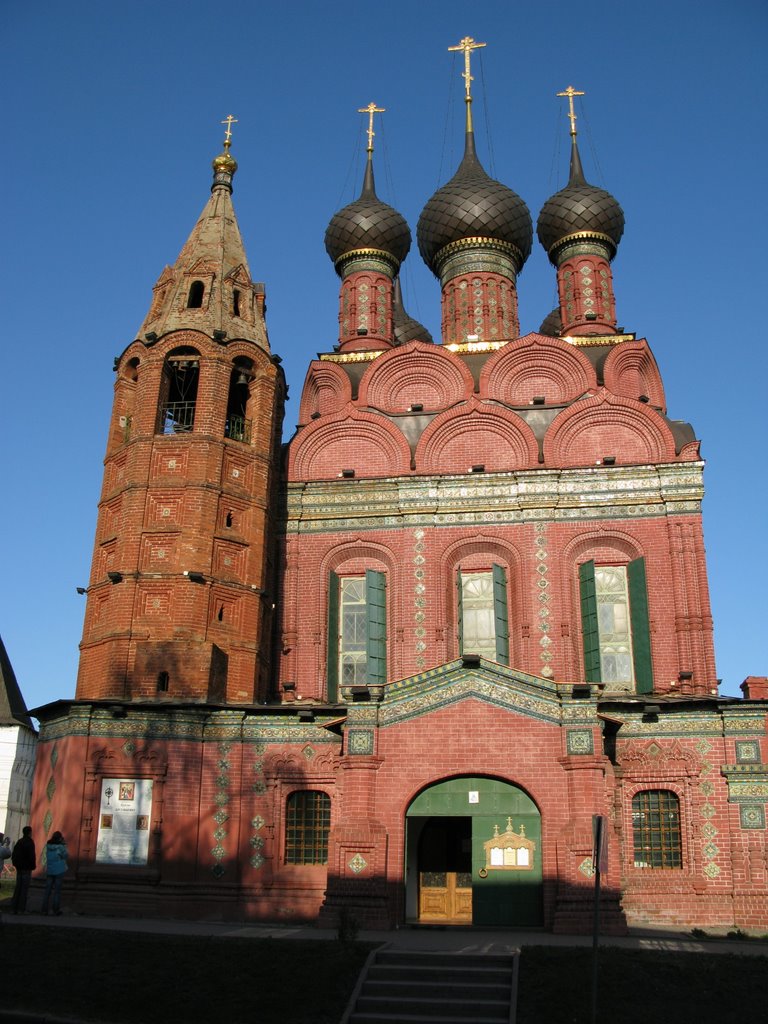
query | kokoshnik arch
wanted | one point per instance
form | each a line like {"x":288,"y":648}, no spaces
{"x":393,"y":667}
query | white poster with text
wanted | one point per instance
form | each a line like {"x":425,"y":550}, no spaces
{"x":124,"y":816}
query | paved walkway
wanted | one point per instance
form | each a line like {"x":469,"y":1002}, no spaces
{"x":458,"y":940}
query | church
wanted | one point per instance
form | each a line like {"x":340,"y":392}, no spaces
{"x":391,"y":670}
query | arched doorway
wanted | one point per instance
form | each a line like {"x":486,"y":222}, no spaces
{"x":473,"y":854}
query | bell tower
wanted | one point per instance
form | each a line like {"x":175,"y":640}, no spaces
{"x":181,"y":585}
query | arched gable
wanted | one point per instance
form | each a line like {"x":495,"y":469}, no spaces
{"x":631,"y":371}
{"x":607,"y":427}
{"x":327,"y":389}
{"x":476,"y":435}
{"x":537,"y":366}
{"x":415,"y":374}
{"x":360,"y":444}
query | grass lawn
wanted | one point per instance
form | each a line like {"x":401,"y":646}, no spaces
{"x":637,"y":987}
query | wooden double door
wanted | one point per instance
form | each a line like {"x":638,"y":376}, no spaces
{"x":445,"y":871}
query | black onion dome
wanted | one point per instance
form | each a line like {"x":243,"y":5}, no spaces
{"x":405,"y":328}
{"x":552,"y":324}
{"x":579,"y":207}
{"x":472,"y":204}
{"x":367,"y":223}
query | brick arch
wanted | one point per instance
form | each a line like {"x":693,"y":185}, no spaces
{"x":471,"y":551}
{"x":533,"y":366}
{"x":416,"y":373}
{"x":362,"y":442}
{"x":356,"y":555}
{"x":474,"y":434}
{"x":604,"y":545}
{"x":604,"y":425}
{"x":183,"y":339}
{"x":631,"y":371}
{"x":327,"y":389}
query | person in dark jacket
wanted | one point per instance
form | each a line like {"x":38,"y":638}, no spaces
{"x":55,"y":867}
{"x":23,"y":859}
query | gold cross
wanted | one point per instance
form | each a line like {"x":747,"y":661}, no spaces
{"x":370,"y":110}
{"x":229,"y":120}
{"x":467,"y":44}
{"x":570,"y":92}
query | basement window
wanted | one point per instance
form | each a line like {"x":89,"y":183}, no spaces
{"x":163,"y":682}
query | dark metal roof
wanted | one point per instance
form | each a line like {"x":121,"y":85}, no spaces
{"x":552,"y":324}
{"x":473,"y":204}
{"x":13,"y":710}
{"x":579,"y":207}
{"x":367,"y":223}
{"x":405,"y":327}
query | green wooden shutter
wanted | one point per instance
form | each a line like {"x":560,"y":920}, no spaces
{"x":332,"y":663}
{"x":459,"y":611}
{"x":376,"y":640}
{"x":641,"y":635}
{"x":589,"y":622}
{"x":500,"y":614}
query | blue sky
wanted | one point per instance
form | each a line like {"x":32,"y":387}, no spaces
{"x":112,"y":117}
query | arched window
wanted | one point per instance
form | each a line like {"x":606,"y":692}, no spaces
{"x":307,"y":822}
{"x":196,"y":293}
{"x":656,"y":829}
{"x":178,"y":392}
{"x":238,"y":426}
{"x":483,"y":621}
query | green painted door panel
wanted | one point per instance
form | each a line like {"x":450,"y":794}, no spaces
{"x":506,"y":897}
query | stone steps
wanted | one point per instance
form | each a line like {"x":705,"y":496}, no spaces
{"x":400,"y":987}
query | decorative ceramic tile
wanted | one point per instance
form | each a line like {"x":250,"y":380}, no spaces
{"x":587,"y":868}
{"x":257,"y":860}
{"x":710,"y":851}
{"x":747,"y":752}
{"x":752,"y":816}
{"x":50,"y":789}
{"x":579,"y":741}
{"x":708,"y":830}
{"x":257,"y":823}
{"x":129,"y":748}
{"x":711,"y":870}
{"x":360,"y":741}
{"x":358,"y":863}
{"x":308,"y":752}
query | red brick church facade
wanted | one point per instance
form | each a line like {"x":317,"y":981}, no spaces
{"x":395,"y":668}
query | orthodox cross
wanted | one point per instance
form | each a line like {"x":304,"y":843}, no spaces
{"x":229,"y":120}
{"x":467,"y":44}
{"x":370,"y":110}
{"x":570,"y":92}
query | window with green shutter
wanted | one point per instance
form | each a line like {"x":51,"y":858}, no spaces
{"x":483,"y":620}
{"x":614,"y":619}
{"x":357,"y":631}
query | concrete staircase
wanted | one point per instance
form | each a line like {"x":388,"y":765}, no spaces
{"x":407,"y":987}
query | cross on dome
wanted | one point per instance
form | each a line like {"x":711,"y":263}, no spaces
{"x":370,"y":110}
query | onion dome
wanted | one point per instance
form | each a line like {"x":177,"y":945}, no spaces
{"x":405,"y":328}
{"x":580,"y":211}
{"x":552,"y":324}
{"x":368,"y":224}
{"x":473,"y":205}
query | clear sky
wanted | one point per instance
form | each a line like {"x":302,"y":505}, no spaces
{"x":112,"y":115}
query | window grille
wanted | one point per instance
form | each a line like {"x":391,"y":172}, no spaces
{"x":308,"y":820}
{"x":656,"y":829}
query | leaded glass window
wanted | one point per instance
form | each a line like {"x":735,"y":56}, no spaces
{"x":477,"y":612}
{"x":307,"y":823}
{"x":613,"y":624}
{"x":656,"y":829}
{"x":354,"y":630}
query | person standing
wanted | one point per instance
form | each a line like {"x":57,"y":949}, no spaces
{"x":25,"y":862}
{"x":55,"y":867}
